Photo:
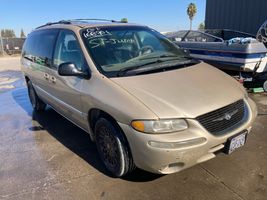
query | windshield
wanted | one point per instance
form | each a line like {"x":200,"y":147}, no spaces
{"x":115,"y":49}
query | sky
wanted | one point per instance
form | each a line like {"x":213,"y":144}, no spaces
{"x":162,"y":15}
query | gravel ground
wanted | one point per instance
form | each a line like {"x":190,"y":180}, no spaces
{"x":9,"y":63}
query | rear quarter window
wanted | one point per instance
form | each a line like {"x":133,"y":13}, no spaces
{"x":39,"y":46}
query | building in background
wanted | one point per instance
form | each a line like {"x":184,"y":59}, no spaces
{"x":240,"y":15}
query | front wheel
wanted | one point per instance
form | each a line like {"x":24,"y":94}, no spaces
{"x":37,"y":103}
{"x":113,"y":148}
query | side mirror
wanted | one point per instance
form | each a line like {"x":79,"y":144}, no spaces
{"x":69,"y":69}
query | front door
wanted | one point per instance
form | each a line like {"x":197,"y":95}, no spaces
{"x":66,"y":89}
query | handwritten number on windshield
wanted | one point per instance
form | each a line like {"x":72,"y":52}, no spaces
{"x":95,"y":32}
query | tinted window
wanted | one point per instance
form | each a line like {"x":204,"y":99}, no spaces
{"x":39,"y":46}
{"x":68,"y":50}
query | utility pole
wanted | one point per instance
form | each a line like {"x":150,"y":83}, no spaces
{"x":1,"y":41}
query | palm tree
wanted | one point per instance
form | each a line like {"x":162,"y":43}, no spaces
{"x":191,"y":12}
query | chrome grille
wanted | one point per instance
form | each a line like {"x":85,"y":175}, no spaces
{"x":216,"y":122}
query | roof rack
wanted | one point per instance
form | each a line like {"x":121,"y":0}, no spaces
{"x":77,"y":20}
{"x":52,"y":23}
{"x":92,"y":19}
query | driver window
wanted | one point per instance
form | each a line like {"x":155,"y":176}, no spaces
{"x":149,"y":40}
{"x":68,"y":50}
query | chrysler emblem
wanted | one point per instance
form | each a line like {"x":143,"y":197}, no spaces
{"x":226,"y":116}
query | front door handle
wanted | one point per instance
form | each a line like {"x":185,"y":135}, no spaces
{"x":46,"y":76}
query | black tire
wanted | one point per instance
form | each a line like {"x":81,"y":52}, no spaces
{"x":37,"y":103}
{"x":113,"y":148}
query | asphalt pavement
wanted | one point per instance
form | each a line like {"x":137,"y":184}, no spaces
{"x":44,"y":156}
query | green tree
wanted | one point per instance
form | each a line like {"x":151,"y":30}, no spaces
{"x":201,"y":26}
{"x":191,"y":12}
{"x":124,"y":20}
{"x":22,"y":34}
{"x":8,"y":33}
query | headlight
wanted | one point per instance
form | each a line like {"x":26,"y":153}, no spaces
{"x":159,"y":126}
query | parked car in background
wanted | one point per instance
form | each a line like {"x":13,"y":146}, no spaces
{"x":138,"y":95}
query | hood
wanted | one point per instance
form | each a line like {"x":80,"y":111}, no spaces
{"x":183,"y":93}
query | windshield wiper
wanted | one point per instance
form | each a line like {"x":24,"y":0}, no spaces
{"x":141,"y":69}
{"x":161,"y":56}
{"x":127,"y":69}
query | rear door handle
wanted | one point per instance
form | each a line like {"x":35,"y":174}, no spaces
{"x":46,"y":76}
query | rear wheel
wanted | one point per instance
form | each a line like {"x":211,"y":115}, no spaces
{"x":113,"y":148}
{"x":37,"y":103}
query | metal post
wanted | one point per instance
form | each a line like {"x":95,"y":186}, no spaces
{"x":1,"y":41}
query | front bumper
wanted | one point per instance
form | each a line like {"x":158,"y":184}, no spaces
{"x":151,"y":152}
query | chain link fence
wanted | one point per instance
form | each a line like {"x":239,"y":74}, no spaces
{"x":10,"y":46}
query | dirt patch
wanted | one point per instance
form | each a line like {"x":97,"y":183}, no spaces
{"x":9,"y":63}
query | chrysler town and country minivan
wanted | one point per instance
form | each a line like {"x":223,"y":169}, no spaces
{"x":143,"y":101}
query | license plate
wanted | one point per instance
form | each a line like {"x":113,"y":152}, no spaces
{"x":236,"y":142}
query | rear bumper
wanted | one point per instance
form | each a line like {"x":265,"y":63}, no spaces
{"x":169,"y":153}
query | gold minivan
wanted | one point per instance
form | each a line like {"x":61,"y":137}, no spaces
{"x":143,"y":101}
